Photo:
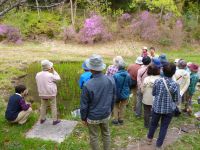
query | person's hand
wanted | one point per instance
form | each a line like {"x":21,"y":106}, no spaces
{"x":85,"y":123}
{"x":181,"y":93}
{"x":51,"y":70}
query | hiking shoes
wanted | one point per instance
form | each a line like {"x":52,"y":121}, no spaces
{"x":115,"y":122}
{"x":42,"y":121}
{"x":149,"y":141}
{"x":56,"y":122}
{"x":121,"y":122}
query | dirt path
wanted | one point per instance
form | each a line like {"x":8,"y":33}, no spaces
{"x":172,"y":135}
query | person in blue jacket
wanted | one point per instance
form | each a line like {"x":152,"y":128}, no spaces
{"x":84,"y":76}
{"x":123,"y":86}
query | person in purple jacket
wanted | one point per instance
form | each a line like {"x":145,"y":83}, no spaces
{"x":18,"y":110}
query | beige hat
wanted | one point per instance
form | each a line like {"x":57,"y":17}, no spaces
{"x":117,"y":60}
{"x":144,"y":47}
{"x":46,"y":64}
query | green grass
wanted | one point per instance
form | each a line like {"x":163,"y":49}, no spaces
{"x":13,"y":136}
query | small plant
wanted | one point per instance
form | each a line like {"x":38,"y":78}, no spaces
{"x":10,"y":34}
{"x":124,"y":20}
{"x":94,"y":30}
{"x":69,"y":33}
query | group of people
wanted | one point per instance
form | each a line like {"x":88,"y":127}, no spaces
{"x":161,"y":86}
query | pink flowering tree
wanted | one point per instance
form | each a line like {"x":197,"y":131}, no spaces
{"x":94,"y":30}
{"x":145,"y":25}
{"x":10,"y":34}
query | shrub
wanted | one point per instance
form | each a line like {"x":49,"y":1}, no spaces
{"x":124,"y":20}
{"x":10,"y":34}
{"x":94,"y":30}
{"x":145,"y":26}
{"x":69,"y":33}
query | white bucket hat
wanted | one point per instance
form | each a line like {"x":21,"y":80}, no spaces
{"x":95,"y":62}
{"x":117,"y":60}
{"x":46,"y":64}
{"x":139,"y":60}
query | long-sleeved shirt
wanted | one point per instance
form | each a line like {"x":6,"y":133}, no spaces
{"x":98,"y":97}
{"x":182,"y":77}
{"x":133,"y":71}
{"x":111,"y":70}
{"x":142,"y":73}
{"x":194,"y":78}
{"x":46,"y":84}
{"x":84,"y":78}
{"x":163,"y":103}
{"x":16,"y":104}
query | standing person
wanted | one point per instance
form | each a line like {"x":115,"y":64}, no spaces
{"x":166,"y":93}
{"x":84,"y":76}
{"x":133,"y":71}
{"x":153,"y":73}
{"x":144,"y":52}
{"x":97,"y":101}
{"x":47,"y":89}
{"x":163,"y":59}
{"x":123,"y":85}
{"x":194,"y":78}
{"x":142,"y":73}
{"x":153,"y":52}
{"x":182,"y":77}
{"x":18,"y":110}
{"x":112,"y":69}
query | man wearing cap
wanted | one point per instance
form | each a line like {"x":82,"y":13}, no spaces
{"x":142,"y":73}
{"x":97,"y":101}
{"x":144,"y":52}
{"x":47,"y":89}
{"x":84,"y":76}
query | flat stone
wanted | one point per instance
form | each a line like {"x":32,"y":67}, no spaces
{"x":48,"y":131}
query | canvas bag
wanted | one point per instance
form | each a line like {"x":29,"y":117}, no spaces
{"x":175,"y":109}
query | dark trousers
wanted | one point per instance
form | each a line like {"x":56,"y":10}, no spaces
{"x":147,"y":115}
{"x":94,"y":134}
{"x":165,"y":121}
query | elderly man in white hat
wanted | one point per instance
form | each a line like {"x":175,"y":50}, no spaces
{"x":47,"y":89}
{"x":112,"y":69}
{"x":97,"y":101}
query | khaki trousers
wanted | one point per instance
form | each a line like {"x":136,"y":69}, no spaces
{"x":43,"y":108}
{"x":23,"y":116}
{"x":119,"y":108}
{"x":94,"y":134}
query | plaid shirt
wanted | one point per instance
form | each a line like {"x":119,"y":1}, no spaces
{"x":111,"y":70}
{"x":162,"y":101}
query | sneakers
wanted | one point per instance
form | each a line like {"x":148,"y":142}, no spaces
{"x":42,"y":121}
{"x":121,"y":122}
{"x":115,"y":122}
{"x":56,"y":122}
{"x":149,"y":141}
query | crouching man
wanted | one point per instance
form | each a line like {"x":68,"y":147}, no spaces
{"x":97,"y":101}
{"x":18,"y":110}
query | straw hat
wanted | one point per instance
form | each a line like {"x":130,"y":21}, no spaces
{"x":46,"y":64}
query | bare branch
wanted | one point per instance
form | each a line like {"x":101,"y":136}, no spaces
{"x":11,"y":7}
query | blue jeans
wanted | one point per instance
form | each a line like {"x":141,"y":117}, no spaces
{"x":165,"y":121}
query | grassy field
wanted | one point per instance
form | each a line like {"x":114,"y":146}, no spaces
{"x":15,"y":61}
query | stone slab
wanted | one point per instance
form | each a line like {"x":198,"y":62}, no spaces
{"x":47,"y":131}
